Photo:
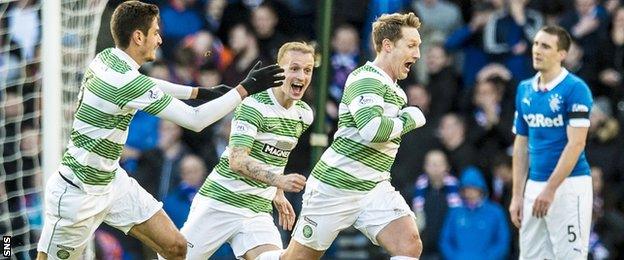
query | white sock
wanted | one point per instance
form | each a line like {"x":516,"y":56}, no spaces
{"x":400,"y":257}
{"x":270,"y":255}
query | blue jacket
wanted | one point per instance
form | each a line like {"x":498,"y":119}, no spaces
{"x":474,"y":233}
{"x":177,"y":204}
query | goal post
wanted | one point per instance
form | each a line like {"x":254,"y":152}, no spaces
{"x":45,"y":46}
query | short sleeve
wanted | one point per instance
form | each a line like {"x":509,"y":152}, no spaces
{"x":245,"y":124}
{"x":578,"y":105}
{"x":520,"y":126}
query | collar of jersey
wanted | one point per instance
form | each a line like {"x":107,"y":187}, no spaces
{"x":125,"y":57}
{"x":382,"y":72}
{"x":275,"y":101}
{"x":553,"y":83}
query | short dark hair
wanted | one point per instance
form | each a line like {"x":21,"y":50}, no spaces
{"x":564,"y":39}
{"x":131,"y":16}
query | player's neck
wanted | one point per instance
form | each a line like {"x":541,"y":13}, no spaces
{"x":548,"y":75}
{"x":282,"y":98}
{"x":134,"y":54}
{"x":384,"y":64}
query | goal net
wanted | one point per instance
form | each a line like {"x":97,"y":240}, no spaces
{"x":21,"y":100}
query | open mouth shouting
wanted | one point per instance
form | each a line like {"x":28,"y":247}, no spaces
{"x":407,"y":66}
{"x":297,"y":88}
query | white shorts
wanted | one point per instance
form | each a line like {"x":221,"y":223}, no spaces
{"x":327,"y":210}
{"x":564,"y":232}
{"x":212,"y":223}
{"x":72,"y":216}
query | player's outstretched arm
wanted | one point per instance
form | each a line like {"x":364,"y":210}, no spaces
{"x":241,"y":162}
{"x":198,"y":118}
{"x":258,"y":79}
{"x":188,"y":92}
{"x":157,"y":102}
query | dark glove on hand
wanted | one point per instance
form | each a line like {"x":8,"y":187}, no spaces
{"x":260,"y":79}
{"x":208,"y":94}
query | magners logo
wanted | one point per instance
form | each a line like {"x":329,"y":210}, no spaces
{"x":272,"y":150}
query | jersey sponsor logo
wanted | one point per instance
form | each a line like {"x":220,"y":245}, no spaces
{"x":555,"y":102}
{"x":272,"y":150}
{"x":285,"y":145}
{"x":365,"y":100}
{"x":154,"y":94}
{"x":539,"y":120}
{"x":579,"y":108}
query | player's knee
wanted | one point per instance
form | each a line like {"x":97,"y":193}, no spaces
{"x":295,"y":255}
{"x":176,"y":250}
{"x":411,"y":246}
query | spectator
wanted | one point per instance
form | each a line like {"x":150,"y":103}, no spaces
{"x":587,"y":25}
{"x":435,"y":192}
{"x":575,"y":63}
{"x":208,"y":49}
{"x":264,"y":20}
{"x":415,"y":144}
{"x":246,"y":52}
{"x":509,"y":33}
{"x":478,"y":229}
{"x":597,"y":250}
{"x":490,"y":120}
{"x":344,"y":59}
{"x":173,"y":14}
{"x":443,"y":81}
{"x":178,"y":203}
{"x":501,"y":194}
{"x":452,"y":135}
{"x":439,"y":18}
{"x":611,"y":59}
{"x":183,"y":69}
{"x":604,"y":143}
{"x":469,"y":40}
{"x":213,"y":13}
{"x":157,"y":170}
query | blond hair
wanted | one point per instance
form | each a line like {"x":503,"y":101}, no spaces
{"x":294,"y":46}
{"x":388,"y":26}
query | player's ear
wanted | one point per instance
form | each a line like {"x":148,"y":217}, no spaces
{"x":137,"y":37}
{"x":386,"y":45}
{"x":562,"y":54}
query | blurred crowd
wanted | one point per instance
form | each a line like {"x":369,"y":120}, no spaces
{"x":455,"y":171}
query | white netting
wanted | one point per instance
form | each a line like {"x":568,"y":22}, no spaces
{"x":20,"y":105}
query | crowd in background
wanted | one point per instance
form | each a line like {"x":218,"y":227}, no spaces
{"x":474,"y":53}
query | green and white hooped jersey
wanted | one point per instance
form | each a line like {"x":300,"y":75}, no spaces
{"x":369,"y":132}
{"x":112,"y":91}
{"x":271,"y":132}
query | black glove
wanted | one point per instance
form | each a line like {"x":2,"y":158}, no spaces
{"x":208,"y":94}
{"x":260,"y":79}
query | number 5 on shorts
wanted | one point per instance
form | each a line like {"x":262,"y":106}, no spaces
{"x":571,"y":233}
